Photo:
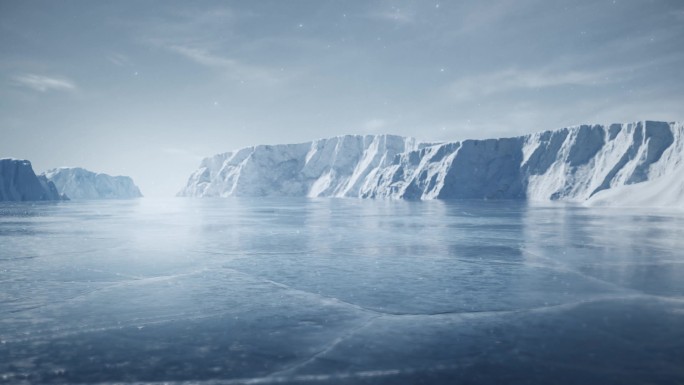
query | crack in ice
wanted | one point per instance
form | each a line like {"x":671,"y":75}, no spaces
{"x":328,"y":348}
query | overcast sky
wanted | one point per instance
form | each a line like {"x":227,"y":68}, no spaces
{"x":148,"y":88}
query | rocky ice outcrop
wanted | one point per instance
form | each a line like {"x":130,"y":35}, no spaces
{"x":581,"y":164}
{"x":18,"y":182}
{"x":337,"y":166}
{"x":79,"y":183}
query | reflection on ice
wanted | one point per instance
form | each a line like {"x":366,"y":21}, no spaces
{"x":339,"y":291}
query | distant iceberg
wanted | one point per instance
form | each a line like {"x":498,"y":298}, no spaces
{"x":79,"y":183}
{"x":640,"y":163}
{"x":339,"y":166}
{"x":18,"y":182}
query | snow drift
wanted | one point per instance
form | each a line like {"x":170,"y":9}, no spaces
{"x":595,"y":164}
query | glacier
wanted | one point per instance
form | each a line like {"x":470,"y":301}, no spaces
{"x":18,"y":182}
{"x":638,"y":163}
{"x":79,"y":183}
{"x":333,"y":167}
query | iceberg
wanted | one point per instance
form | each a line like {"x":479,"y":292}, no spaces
{"x":18,"y":182}
{"x":79,"y":183}
{"x":334,"y":167}
{"x":639,"y":163}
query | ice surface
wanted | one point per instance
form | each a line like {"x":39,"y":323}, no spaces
{"x":339,"y":291}
{"x":79,"y":183}
{"x":639,"y":164}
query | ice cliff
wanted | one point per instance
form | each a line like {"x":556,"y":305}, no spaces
{"x":595,"y":164}
{"x":78,"y":183}
{"x":18,"y":182}
{"x":339,"y":166}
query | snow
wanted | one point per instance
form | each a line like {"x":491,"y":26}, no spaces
{"x":79,"y":183}
{"x":636,"y":163}
{"x":333,"y":167}
{"x":664,"y":186}
{"x":18,"y":182}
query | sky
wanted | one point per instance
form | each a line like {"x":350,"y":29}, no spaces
{"x":149,"y":88}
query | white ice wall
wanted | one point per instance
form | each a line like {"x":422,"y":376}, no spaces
{"x":78,"y":183}
{"x":336,"y":166}
{"x":578,"y":163}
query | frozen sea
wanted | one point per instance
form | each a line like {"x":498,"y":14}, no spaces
{"x":339,"y":291}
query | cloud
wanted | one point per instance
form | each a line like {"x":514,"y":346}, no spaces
{"x":203,"y":57}
{"x":395,"y":15}
{"x":232,"y":68}
{"x":118,"y":59}
{"x":512,"y":79}
{"x":374,"y":124}
{"x":678,"y":14}
{"x":207,"y":37}
{"x":521,"y":116}
{"x":181,"y":152}
{"x":482,"y":16}
{"x":185,"y":24}
{"x":45,"y":83}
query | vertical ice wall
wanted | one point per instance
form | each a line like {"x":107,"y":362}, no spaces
{"x":336,"y":166}
{"x":79,"y":183}
{"x":18,"y":182}
{"x":573,"y":163}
